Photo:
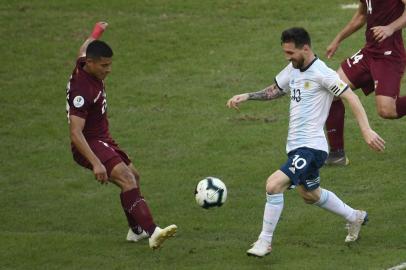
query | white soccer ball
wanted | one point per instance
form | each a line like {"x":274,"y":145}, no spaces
{"x":210,"y":192}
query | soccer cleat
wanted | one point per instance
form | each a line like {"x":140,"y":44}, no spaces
{"x":160,"y":235}
{"x":133,"y":237}
{"x":337,"y":158}
{"x":260,"y":248}
{"x":355,"y":227}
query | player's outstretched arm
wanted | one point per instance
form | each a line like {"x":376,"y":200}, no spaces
{"x":76,"y":125}
{"x":371,"y":137}
{"x":357,"y":21}
{"x":385,"y":31}
{"x":97,"y":32}
{"x":269,"y":93}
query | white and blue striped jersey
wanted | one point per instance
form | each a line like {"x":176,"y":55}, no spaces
{"x":311,"y":91}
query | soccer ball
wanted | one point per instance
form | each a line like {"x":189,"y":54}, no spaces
{"x":210,"y":192}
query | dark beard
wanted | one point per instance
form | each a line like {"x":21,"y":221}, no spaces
{"x":298,"y":65}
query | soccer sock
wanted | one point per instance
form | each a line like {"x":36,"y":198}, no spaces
{"x":272,"y":212}
{"x":401,"y":106}
{"x":330,"y":202}
{"x":335,"y":125}
{"x":134,"y":204}
{"x":131,"y":222}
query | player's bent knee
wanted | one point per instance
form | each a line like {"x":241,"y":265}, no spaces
{"x":309,"y":197}
{"x":387,"y":113}
{"x":135,"y":172}
{"x":386,"y":107}
{"x":310,"y":200}
{"x":124,"y":177}
{"x":272,"y":187}
{"x":278,"y":182}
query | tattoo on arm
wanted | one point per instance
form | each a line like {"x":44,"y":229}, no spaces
{"x":271,"y":92}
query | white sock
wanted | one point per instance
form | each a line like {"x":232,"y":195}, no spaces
{"x":330,"y":201}
{"x":272,"y":212}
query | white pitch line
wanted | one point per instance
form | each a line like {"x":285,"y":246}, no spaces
{"x":350,"y":6}
{"x":398,"y":267}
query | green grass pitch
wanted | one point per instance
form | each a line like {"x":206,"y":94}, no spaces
{"x":176,"y":63}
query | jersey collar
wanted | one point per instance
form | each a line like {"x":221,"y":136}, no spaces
{"x":311,"y":63}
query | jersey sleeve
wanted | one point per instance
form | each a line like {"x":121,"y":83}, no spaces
{"x":79,"y":104}
{"x":283,"y":78}
{"x":332,"y":82}
{"x":80,"y":96}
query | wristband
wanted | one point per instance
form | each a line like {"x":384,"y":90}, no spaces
{"x":97,"y":31}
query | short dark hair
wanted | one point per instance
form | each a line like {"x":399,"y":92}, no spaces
{"x":97,"y":49}
{"x":298,"y":35}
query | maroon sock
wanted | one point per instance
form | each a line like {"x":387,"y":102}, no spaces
{"x":134,"y":204}
{"x":401,"y":106}
{"x":335,"y":126}
{"x":131,"y":221}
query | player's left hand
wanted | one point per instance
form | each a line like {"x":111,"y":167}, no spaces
{"x":382,"y":32}
{"x":374,"y":140}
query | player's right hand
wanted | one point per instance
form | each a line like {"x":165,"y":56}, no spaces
{"x":374,"y":140}
{"x":100,"y":173}
{"x":235,"y":100}
{"x":331,"y":49}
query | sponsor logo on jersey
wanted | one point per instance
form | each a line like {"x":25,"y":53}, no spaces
{"x":78,"y":101}
{"x":306,"y":85}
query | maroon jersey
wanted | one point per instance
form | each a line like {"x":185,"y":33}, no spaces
{"x":382,"y":13}
{"x":86,"y":98}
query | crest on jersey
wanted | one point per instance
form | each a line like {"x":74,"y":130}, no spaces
{"x":306,"y":85}
{"x":78,"y":101}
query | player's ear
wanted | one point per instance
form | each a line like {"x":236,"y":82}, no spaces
{"x":90,"y":62}
{"x":306,"y":47}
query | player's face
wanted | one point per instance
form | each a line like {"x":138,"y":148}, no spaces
{"x":293,"y":54}
{"x":99,"y":68}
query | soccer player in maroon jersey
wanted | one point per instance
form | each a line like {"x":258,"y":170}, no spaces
{"x":378,"y":66}
{"x":92,"y":144}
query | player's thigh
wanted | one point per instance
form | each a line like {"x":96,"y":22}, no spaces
{"x":106,"y":153}
{"x":116,"y":162}
{"x":387,"y":75}
{"x":302,"y":167}
{"x":122,"y":176}
{"x":278,"y":182}
{"x":355,"y":71}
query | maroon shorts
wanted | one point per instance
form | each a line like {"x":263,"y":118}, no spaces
{"x":108,"y":152}
{"x":382,"y":75}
